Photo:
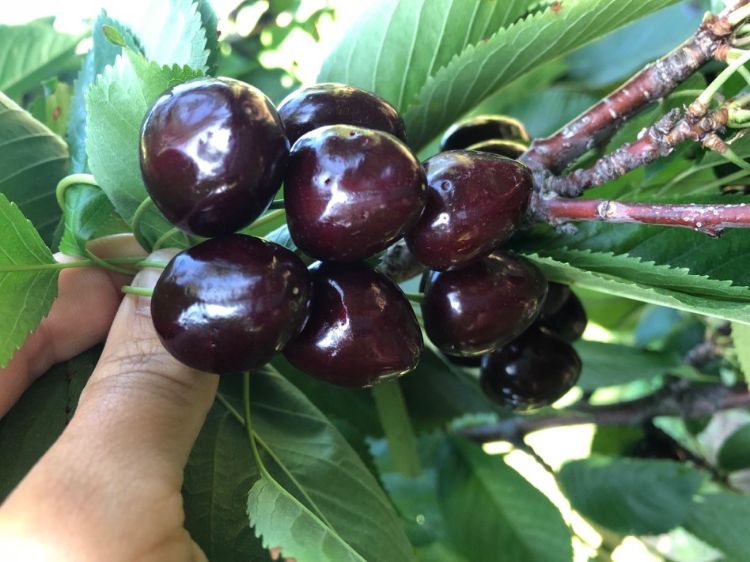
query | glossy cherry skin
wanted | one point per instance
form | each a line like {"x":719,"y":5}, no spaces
{"x":507,"y":148}
{"x":338,"y":104}
{"x":567,"y":322}
{"x":472,"y":310}
{"x":362,"y":329}
{"x":534,"y":370}
{"x":475,"y":202}
{"x":351,"y":192}
{"x":228,"y":304}
{"x":212,"y":155}
{"x":483,"y":128}
{"x":557,"y":295}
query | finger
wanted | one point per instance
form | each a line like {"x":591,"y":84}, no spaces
{"x":80,"y":317}
{"x":142,"y":405}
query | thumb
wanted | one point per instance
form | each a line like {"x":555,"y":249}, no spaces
{"x":141,"y":407}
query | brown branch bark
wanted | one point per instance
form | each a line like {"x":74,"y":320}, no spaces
{"x":692,"y":402}
{"x":597,"y":124}
{"x":708,"y":219}
{"x":655,"y":142}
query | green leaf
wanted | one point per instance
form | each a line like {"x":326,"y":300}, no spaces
{"x":735,"y":451}
{"x":438,"y":552}
{"x":609,"y":364}
{"x":39,"y":417}
{"x":26,"y":296}
{"x":396,"y":45}
{"x":634,"y":46}
{"x":331,"y":507}
{"x":87,"y":209}
{"x":53,"y":107}
{"x":489,"y":508}
{"x":741,"y":341}
{"x":171,"y":32}
{"x":102,"y":54}
{"x":571,"y":274}
{"x":32,"y":53}
{"x":211,"y":28}
{"x":218,"y":474}
{"x":116,"y":105}
{"x":489,"y":65}
{"x":631,"y":496}
{"x":32,"y":160}
{"x":720,"y":519}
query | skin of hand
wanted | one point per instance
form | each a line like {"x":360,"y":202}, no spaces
{"x":109,"y":487}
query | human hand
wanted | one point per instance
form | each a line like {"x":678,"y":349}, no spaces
{"x":109,"y":488}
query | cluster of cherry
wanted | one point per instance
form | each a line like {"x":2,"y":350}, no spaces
{"x":214,"y":153}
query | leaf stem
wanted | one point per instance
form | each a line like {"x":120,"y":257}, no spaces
{"x":399,"y":433}
{"x":68,"y":182}
{"x":136,"y":260}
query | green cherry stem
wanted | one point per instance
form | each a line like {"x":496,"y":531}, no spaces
{"x":140,"y":212}
{"x":164,"y":237}
{"x":402,"y":442}
{"x":70,"y":181}
{"x":414,"y":297}
{"x":139,"y":291}
{"x":105,"y":264}
{"x":248,"y":419}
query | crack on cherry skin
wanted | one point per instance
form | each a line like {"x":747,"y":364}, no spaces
{"x":362,"y":330}
{"x":351,"y":192}
{"x":337,"y":104}
{"x":228,"y":304}
{"x":212,"y":154}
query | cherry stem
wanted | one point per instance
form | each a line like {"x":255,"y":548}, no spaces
{"x":394,"y":417}
{"x":138,"y":291}
{"x":69,"y":181}
{"x":138,"y":216}
{"x":690,"y":402}
{"x":708,"y":219}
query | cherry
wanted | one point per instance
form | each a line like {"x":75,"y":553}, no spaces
{"x":337,"y":104}
{"x":483,"y":128}
{"x":507,"y":148}
{"x":475,"y":201}
{"x":568,"y":321}
{"x":557,"y":294}
{"x":471,"y":311}
{"x":351,"y":192}
{"x":533,"y":370}
{"x":362,"y":329}
{"x":212,"y":155}
{"x":470,"y":362}
{"x":229,"y":303}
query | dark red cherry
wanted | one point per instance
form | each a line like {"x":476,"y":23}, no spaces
{"x":483,"y":128}
{"x":533,"y":370}
{"x":475,"y":201}
{"x":212,"y":155}
{"x":507,"y":148}
{"x":337,"y":104}
{"x":470,"y":362}
{"x":471,"y":311}
{"x":568,"y":322}
{"x":557,"y":294}
{"x":362,"y":329}
{"x":351,"y":192}
{"x":228,"y":304}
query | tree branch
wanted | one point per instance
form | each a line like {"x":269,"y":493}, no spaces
{"x":708,"y":219}
{"x":656,"y":141}
{"x":691,"y":402}
{"x":599,"y":123}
